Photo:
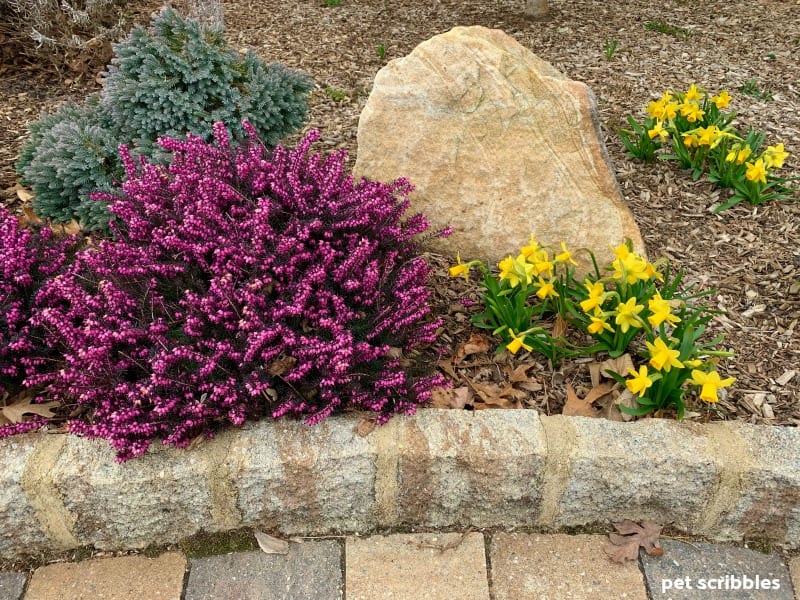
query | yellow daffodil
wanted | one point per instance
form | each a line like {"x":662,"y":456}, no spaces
{"x":459,"y":268}
{"x":653,"y":273}
{"x":689,"y":140}
{"x":738,"y":154}
{"x":655,"y":109}
{"x":640,"y":382}
{"x":565,"y":256}
{"x":598,"y":324}
{"x":546,"y":289}
{"x":722,"y":99}
{"x":691,"y":111}
{"x":628,"y":314}
{"x":632,"y":268}
{"x":756,"y":171}
{"x":516,"y":343}
{"x":542,"y":265}
{"x":658,"y":130}
{"x":596,"y":295}
{"x":531,"y":249}
{"x":662,"y":357}
{"x":693,"y":94}
{"x":774,"y":156}
{"x":516,"y":270}
{"x":622,"y":251}
{"x":661,"y":311}
{"x":710,"y":383}
{"x":709,"y":136}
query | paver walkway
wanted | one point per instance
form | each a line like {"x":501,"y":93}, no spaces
{"x":470,"y":565}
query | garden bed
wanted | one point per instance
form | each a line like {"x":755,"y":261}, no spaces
{"x":750,"y":254}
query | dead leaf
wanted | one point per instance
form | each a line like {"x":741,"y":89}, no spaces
{"x":70,"y":228}
{"x":24,"y":195}
{"x":271,"y":545}
{"x":577,"y":407}
{"x":619,"y":365}
{"x":476,"y":344}
{"x":446,"y":365}
{"x":493,"y":396}
{"x":23,"y":404}
{"x":365,"y":426}
{"x":559,"y":328}
{"x":628,"y":400}
{"x":518,"y":374}
{"x":281,"y":365}
{"x":626,"y":546}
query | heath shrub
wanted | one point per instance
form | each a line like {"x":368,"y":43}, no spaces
{"x":240,"y":284}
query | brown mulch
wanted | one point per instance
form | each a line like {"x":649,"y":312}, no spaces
{"x":751,"y":255}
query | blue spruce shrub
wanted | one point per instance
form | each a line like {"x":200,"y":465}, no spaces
{"x":70,"y":154}
{"x":182,"y":78}
{"x":179,"y":78}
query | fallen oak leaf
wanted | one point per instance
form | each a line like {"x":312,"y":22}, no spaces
{"x":493,"y":396}
{"x":24,"y":404}
{"x":625,"y":545}
{"x":476,"y":344}
{"x":577,"y":407}
{"x":619,"y":365}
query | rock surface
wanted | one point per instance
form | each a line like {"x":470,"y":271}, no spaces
{"x":498,"y":144}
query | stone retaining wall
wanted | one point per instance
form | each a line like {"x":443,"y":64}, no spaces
{"x":438,"y":469}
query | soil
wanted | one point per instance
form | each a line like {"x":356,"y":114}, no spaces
{"x":750,"y":254}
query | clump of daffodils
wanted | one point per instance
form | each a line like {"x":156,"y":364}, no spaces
{"x":693,"y":128}
{"x":631,"y":302}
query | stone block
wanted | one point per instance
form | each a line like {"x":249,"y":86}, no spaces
{"x":158,"y":498}
{"x":700,"y":571}
{"x":122,"y":578}
{"x":534,"y":566}
{"x":20,"y":529}
{"x":768,"y":503}
{"x":417,"y":566}
{"x":294,"y":478}
{"x":309,"y":570}
{"x":482,"y":469}
{"x":12,"y":586}
{"x":653,"y":469}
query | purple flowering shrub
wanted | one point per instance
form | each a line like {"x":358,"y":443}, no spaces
{"x":27,"y":259}
{"x":240,"y":284}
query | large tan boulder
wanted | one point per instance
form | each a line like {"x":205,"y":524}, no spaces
{"x":499,"y":145}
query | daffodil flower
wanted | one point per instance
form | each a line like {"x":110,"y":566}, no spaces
{"x":689,"y":140}
{"x":517,"y":342}
{"x":691,"y":111}
{"x":722,"y":99}
{"x":662,"y":357}
{"x":598,"y":324}
{"x":596,"y":296}
{"x":632,"y":268}
{"x":658,"y":130}
{"x":628,"y":314}
{"x":774,"y":156}
{"x":565,"y":256}
{"x":738,"y":154}
{"x":756,"y":171}
{"x":639,"y":382}
{"x":531,"y":249}
{"x":546,"y":289}
{"x":710,"y":384}
{"x":693,"y":94}
{"x":459,"y":268}
{"x":516,"y":270}
{"x":661,"y":311}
